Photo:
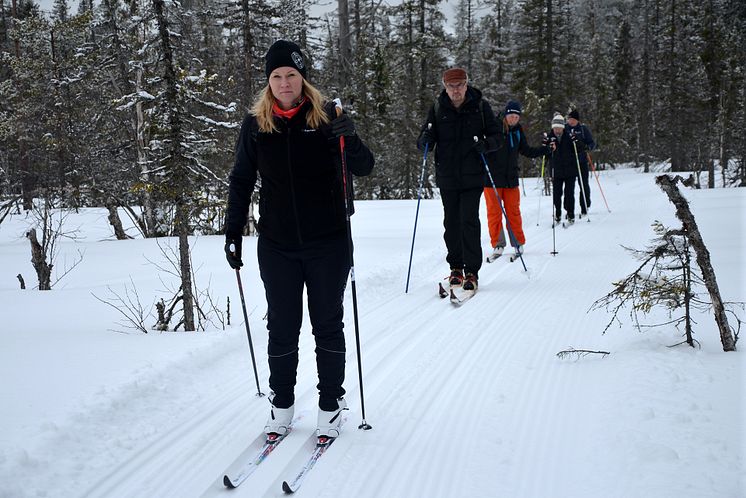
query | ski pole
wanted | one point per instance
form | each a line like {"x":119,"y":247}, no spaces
{"x":499,"y":201}
{"x":593,"y":168}
{"x":363,"y":425}
{"x":541,"y":193}
{"x":417,"y":213}
{"x":246,"y":321}
{"x":580,"y":181}
{"x":554,"y":222}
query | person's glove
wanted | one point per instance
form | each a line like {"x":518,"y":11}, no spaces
{"x":480,"y":146}
{"x":552,"y":146}
{"x":575,"y":137}
{"x":233,"y":252}
{"x":343,"y":126}
{"x":545,"y":140}
{"x":426,"y":138}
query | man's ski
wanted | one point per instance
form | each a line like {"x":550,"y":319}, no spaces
{"x":462,"y":297}
{"x":271,"y":441}
{"x":323,"y":443}
{"x":441,"y":291}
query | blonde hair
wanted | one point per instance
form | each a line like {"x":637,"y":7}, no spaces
{"x":262,"y":108}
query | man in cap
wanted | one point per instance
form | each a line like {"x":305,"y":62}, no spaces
{"x":461,"y":127}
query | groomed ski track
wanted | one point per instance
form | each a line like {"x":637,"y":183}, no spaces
{"x":454,"y":395}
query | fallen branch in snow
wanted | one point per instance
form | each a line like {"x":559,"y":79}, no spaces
{"x":579,"y":353}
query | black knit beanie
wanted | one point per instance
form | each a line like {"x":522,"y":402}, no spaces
{"x":513,"y":107}
{"x":574,"y":114}
{"x":283,"y":53}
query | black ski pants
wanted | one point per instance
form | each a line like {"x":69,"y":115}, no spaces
{"x":462,"y":228}
{"x":568,"y":186}
{"x":322,"y":267}
{"x":585,"y":201}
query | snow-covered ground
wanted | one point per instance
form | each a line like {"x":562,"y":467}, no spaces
{"x":464,"y":402}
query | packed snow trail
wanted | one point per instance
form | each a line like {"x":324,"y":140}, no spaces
{"x":467,"y":401}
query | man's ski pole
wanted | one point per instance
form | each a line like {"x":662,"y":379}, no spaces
{"x":363,"y":425}
{"x":417,"y":213}
{"x":513,"y":240}
{"x":593,"y":168}
{"x":246,"y":321}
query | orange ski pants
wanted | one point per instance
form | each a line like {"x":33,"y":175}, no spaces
{"x":511,"y":198}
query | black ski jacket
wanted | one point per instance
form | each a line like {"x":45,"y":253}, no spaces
{"x":301,"y":194}
{"x":562,"y":161}
{"x":457,"y":164}
{"x":503,"y":162}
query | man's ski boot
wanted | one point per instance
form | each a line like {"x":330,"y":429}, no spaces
{"x":457,"y":277}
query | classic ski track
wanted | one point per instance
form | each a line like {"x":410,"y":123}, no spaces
{"x":442,"y":346}
{"x":159,"y":464}
{"x":430,"y":351}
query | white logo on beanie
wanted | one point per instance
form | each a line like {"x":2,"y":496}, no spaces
{"x":298,"y":59}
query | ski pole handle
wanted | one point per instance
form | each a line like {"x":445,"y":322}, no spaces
{"x":338,"y":105}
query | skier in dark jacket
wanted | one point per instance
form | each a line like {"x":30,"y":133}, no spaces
{"x":563,"y":168}
{"x":583,"y":139}
{"x":460,"y":114}
{"x":290,"y":139}
{"x":504,"y":171}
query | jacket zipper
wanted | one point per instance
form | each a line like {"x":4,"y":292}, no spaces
{"x":292,"y":188}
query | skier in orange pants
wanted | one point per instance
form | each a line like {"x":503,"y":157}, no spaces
{"x":503,"y":164}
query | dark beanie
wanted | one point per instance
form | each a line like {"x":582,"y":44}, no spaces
{"x":513,"y":107}
{"x":574,"y":114}
{"x":284,"y":54}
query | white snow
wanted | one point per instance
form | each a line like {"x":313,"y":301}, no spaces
{"x":464,"y":402}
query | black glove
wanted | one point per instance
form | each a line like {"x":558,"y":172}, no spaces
{"x":480,"y":146}
{"x":343,"y":126}
{"x":552,"y":144}
{"x":233,"y":252}
{"x":545,"y":140}
{"x":426,"y":138}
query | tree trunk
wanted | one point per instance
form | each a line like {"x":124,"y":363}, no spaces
{"x":185,"y":265}
{"x":116,"y":221}
{"x":344,"y":44}
{"x":176,"y":159}
{"x":683,"y":213}
{"x":39,"y":260}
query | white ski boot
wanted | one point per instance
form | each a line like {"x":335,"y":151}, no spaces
{"x":330,"y":422}
{"x":496,"y":253}
{"x":279,"y":418}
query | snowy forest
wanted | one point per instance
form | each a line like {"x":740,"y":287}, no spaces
{"x":136,"y":104}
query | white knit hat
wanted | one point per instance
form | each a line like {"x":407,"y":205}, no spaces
{"x":558,"y":121}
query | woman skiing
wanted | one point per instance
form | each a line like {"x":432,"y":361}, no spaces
{"x":290,"y":140}
{"x":563,"y":168}
{"x":503,"y":164}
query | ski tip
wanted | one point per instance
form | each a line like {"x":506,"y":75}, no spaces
{"x":227,"y":482}
{"x":286,"y":488}
{"x":441,"y":291}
